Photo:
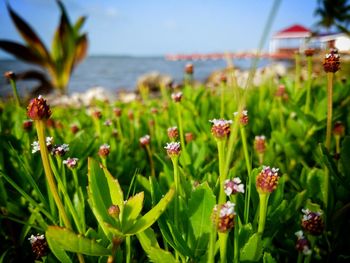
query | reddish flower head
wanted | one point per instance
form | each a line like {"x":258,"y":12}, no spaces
{"x":267,"y":180}
{"x":221,"y":128}
{"x":302,"y":244}
{"x":243,"y":117}
{"x":312,"y":222}
{"x":39,"y":244}
{"x":223,"y":216}
{"x":27,"y":125}
{"x":177,"y":97}
{"x":331,"y":61}
{"x":339,"y":129}
{"x":145,"y":140}
{"x":117,"y":112}
{"x":309,"y":52}
{"x":71,"y":162}
{"x":38,"y":109}
{"x":10,"y":75}
{"x":188,"y":137}
{"x":260,"y":144}
{"x":104,"y":150}
{"x":173,"y":149}
{"x":189,"y":68}
{"x":233,"y":186}
{"x":173,"y":133}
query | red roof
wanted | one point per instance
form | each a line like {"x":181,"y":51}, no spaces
{"x":294,"y":31}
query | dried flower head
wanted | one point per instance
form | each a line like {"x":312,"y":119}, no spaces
{"x":243,"y":117}
{"x":173,"y":133}
{"x":267,"y":180}
{"x":260,"y":144}
{"x":331,"y":61}
{"x":39,"y":245}
{"x":71,"y":162}
{"x":221,"y":128}
{"x":117,"y":112}
{"x":38,"y":109}
{"x":27,"y":125}
{"x":189,"y":68}
{"x":233,"y":186}
{"x":312,"y":222}
{"x":104,"y":150}
{"x":339,"y":129}
{"x":302,"y":244}
{"x":223,"y":216}
{"x":145,"y":140}
{"x":177,"y":97}
{"x":60,"y":150}
{"x":173,"y":149}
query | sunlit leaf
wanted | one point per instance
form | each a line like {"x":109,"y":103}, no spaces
{"x":252,"y":250}
{"x":132,"y":209}
{"x":21,"y":52}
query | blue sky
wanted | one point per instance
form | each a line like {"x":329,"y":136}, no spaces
{"x":158,"y":27}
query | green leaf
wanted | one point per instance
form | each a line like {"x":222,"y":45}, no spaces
{"x":345,"y":156}
{"x":29,"y":35}
{"x":132,"y":209}
{"x":151,"y":216}
{"x":268,"y":258}
{"x":114,"y":189}
{"x":200,"y":207}
{"x":58,"y":251}
{"x":158,"y":255}
{"x":69,"y":241}
{"x":252,"y":250}
{"x":21,"y":52}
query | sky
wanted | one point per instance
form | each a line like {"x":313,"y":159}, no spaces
{"x":159,"y":27}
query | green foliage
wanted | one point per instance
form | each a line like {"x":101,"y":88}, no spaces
{"x":69,"y":47}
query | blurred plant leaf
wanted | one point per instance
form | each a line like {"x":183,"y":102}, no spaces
{"x":252,"y":250}
{"x":21,"y":52}
{"x":132,"y":209}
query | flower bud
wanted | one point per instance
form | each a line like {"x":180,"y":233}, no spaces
{"x":173,"y":149}
{"x":233,"y":186}
{"x":188,"y":137}
{"x":97,"y":114}
{"x":104,"y":150}
{"x":223,"y":216}
{"x":177,"y":97}
{"x":27,"y":125}
{"x":38,"y":109}
{"x":267,"y":180}
{"x":131,"y":115}
{"x":189,"y":68}
{"x":114,"y":211}
{"x":331,"y":61}
{"x":74,"y":128}
{"x":243,"y":117}
{"x":339,"y":129}
{"x":39,"y":244}
{"x":260,"y":144}
{"x":173,"y":133}
{"x":71,"y":162}
{"x":221,"y":128}
{"x":145,"y":140}
{"x":60,"y":150}
{"x":309,"y":52}
{"x":117,"y":112}
{"x":312,"y":222}
{"x":10,"y":75}
{"x":223,"y":78}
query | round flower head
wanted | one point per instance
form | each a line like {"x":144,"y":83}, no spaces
{"x":145,"y":140}
{"x":114,"y":211}
{"x":38,"y":109}
{"x":173,"y":133}
{"x":312,"y":222}
{"x":60,"y":150}
{"x":267,"y":180}
{"x":331,"y":61}
{"x":339,"y":129}
{"x":302,"y":244}
{"x":130,"y":115}
{"x":189,"y":68}
{"x":220,"y":128}
{"x":154,"y":110}
{"x":223,"y":78}
{"x":104,"y":150}
{"x":71,"y":162}
{"x":223,"y":216}
{"x":188,"y":137}
{"x":243,"y":117}
{"x":260,"y":144}
{"x":10,"y":75}
{"x":309,"y":52}
{"x":173,"y":149}
{"x":108,"y":123}
{"x":177,"y":97}
{"x":39,"y":245}
{"x":117,"y":112}
{"x":97,"y":114}
{"x":233,"y":186}
{"x":74,"y":128}
{"x":27,"y":125}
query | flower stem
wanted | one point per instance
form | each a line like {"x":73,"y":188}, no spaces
{"x":128,"y":249}
{"x":222,"y":174}
{"x":236,"y":233}
{"x":151,"y":163}
{"x":329,"y":109}
{"x":249,"y":170}
{"x":211,"y":252}
{"x":297,"y":70}
{"x":179,"y":119}
{"x":223,"y":237}
{"x":309,"y":81}
{"x":40,"y":128}
{"x":119,"y":127}
{"x":222,"y":108}
{"x":175,"y":161}
{"x":15,"y":92}
{"x":264,"y":198}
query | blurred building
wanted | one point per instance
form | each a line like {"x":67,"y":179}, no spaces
{"x":299,"y":38}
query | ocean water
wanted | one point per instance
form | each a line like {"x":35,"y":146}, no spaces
{"x":118,"y":72}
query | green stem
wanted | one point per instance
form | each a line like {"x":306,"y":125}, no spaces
{"x":249,"y":171}
{"x":222,"y":174}
{"x":179,"y":120}
{"x":300,"y":257}
{"x":297,"y":70}
{"x":151,"y":163}
{"x":329,"y":108}
{"x":40,"y":128}
{"x":15,"y":92}
{"x":236,"y":233}
{"x":222,"y":108}
{"x":211,"y":252}
{"x":280,"y":104}
{"x":175,"y":161}
{"x":128,"y":248}
{"x":312,"y":245}
{"x":264,"y":198}
{"x":309,"y":81}
{"x":223,"y":237}
{"x":119,"y":127}
{"x":75,"y":179}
